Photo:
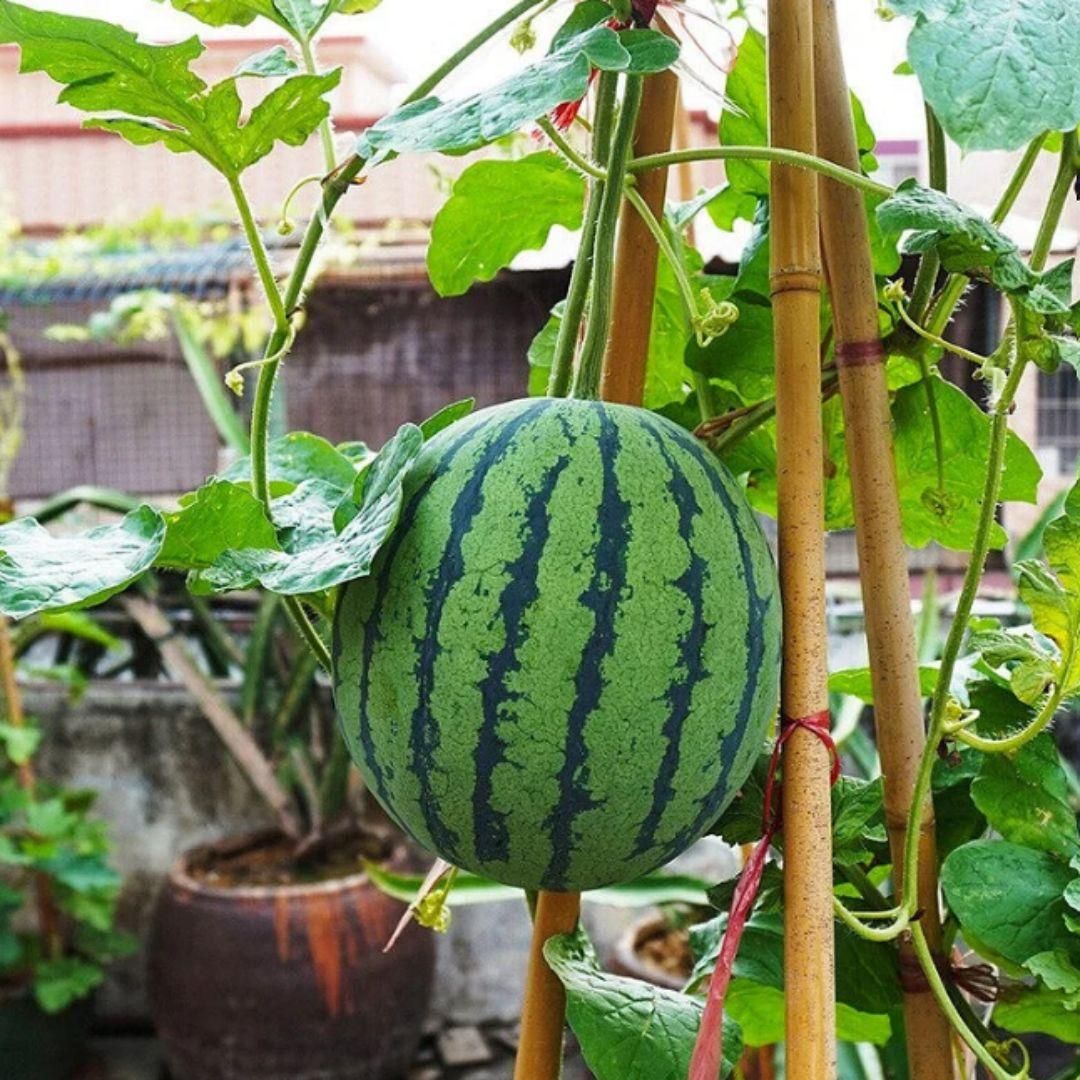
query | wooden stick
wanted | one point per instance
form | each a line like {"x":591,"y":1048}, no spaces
{"x":226,"y":724}
{"x":539,"y":1055}
{"x":623,"y":377}
{"x":796,"y":287}
{"x":898,"y":710}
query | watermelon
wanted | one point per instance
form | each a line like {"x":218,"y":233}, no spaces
{"x":566,"y":657}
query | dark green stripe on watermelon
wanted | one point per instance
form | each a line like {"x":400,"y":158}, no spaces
{"x":424,"y":738}
{"x":565,"y":662}
{"x":602,"y":598}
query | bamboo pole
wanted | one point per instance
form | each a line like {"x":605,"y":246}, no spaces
{"x":623,"y":377}
{"x":539,"y":1054}
{"x":898,"y":710}
{"x":795,"y":278}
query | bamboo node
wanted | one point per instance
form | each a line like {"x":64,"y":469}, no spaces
{"x":860,"y":353}
{"x":795,"y":279}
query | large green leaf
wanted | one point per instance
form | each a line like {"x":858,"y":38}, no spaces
{"x":1025,"y":797}
{"x":149,"y":94}
{"x":1009,"y":899}
{"x":531,"y":195}
{"x":300,"y":18}
{"x":968,"y":243}
{"x":1049,"y":1012}
{"x":219,"y":516}
{"x":331,"y":559}
{"x":562,"y":75}
{"x":745,"y":120}
{"x":227,"y":12}
{"x":628,"y":1029}
{"x":997,"y":72}
{"x":296,"y":457}
{"x":42,"y":572}
{"x":950,"y":517}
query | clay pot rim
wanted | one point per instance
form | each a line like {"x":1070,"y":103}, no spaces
{"x":180,"y":877}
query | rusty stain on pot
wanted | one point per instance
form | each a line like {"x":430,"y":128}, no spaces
{"x":328,"y":937}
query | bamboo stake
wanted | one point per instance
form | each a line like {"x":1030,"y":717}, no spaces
{"x":898,"y":710}
{"x":623,"y":380}
{"x":796,"y":288}
{"x":539,"y":1055}
{"x":623,"y":377}
{"x":226,"y":724}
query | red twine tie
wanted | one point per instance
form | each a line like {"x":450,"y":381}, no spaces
{"x":709,"y":1047}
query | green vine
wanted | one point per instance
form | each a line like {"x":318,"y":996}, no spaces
{"x":587,"y":377}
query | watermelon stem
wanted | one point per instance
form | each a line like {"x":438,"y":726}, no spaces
{"x":562,"y":367}
{"x":590,"y":365}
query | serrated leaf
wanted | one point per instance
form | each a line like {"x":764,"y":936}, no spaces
{"x":532,"y":194}
{"x":1053,"y":593}
{"x":334,"y":559}
{"x":968,"y":243}
{"x":998,"y":72}
{"x":951,"y":517}
{"x":628,"y":1029}
{"x":296,"y":457}
{"x":458,"y":126}
{"x":107,"y":70}
{"x":42,"y":572}
{"x":219,"y":516}
{"x":271,"y":63}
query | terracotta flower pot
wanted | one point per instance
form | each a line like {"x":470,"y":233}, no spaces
{"x":36,"y":1045}
{"x":285,"y":982}
{"x":630,"y":957}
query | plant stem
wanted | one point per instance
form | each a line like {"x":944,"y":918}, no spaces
{"x":923,"y":290}
{"x":259,"y":255}
{"x":779,"y":155}
{"x":956,"y":283}
{"x":945,"y":1002}
{"x":1009,"y":743}
{"x":562,"y":366}
{"x":563,"y":145}
{"x":587,"y":377}
{"x":326,"y":129}
{"x":1063,"y":182}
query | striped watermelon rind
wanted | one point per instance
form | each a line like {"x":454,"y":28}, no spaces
{"x":565,"y":660}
